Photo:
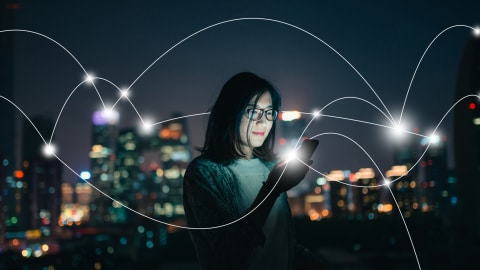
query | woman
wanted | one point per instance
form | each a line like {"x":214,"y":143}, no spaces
{"x":234,"y":201}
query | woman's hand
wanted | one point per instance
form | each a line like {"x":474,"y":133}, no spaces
{"x":293,"y":171}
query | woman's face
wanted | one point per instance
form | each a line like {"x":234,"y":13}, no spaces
{"x":253,"y":133}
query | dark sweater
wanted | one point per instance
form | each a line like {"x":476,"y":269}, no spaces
{"x":211,"y":199}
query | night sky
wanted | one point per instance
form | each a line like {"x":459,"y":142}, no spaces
{"x":364,"y":46}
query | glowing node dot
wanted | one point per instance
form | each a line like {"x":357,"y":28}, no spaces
{"x":147,"y":126}
{"x":291,"y":155}
{"x":316,"y":114}
{"x":476,"y":32}
{"x":387,"y":182}
{"x":89,"y":78}
{"x":49,"y":150}
{"x":125,"y":93}
{"x":434,"y":139}
{"x":400,"y":129}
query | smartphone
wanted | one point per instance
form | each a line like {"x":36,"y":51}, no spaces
{"x":305,"y":152}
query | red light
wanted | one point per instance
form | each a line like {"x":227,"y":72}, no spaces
{"x":282,"y":141}
{"x":18,"y":174}
{"x":472,"y":106}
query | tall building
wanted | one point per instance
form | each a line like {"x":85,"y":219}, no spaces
{"x":43,"y":176}
{"x":365,"y":198}
{"x":7,"y":111}
{"x":34,"y":193}
{"x":467,"y":137}
{"x":176,"y":154}
{"x":102,"y":158}
{"x":433,"y":176}
{"x":128,"y":179}
{"x":75,"y":205}
{"x":403,"y":186}
{"x":340,"y":193}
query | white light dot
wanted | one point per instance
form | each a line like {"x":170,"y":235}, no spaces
{"x":108,"y":112}
{"x":476,"y":31}
{"x":316,"y":114}
{"x":387,"y":182}
{"x":291,"y":155}
{"x":147,"y":126}
{"x":89,"y":78}
{"x":434,"y":139}
{"x":125,"y":93}
{"x":49,"y":150}
{"x":399,"y":130}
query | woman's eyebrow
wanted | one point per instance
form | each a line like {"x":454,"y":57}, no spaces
{"x":256,"y":106}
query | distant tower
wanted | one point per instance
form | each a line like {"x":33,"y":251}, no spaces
{"x":102,"y":158}
{"x":128,"y":180}
{"x":467,"y":137}
{"x":435,"y":195}
{"x":35,"y":190}
{"x":176,"y":154}
{"x":365,"y":194}
{"x":403,"y":188}
{"x":7,"y":112}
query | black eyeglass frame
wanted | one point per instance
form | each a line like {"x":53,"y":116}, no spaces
{"x":270,"y":114}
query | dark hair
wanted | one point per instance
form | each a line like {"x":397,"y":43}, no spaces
{"x":222,"y":140}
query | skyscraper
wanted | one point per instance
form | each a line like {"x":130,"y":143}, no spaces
{"x":42,"y":177}
{"x":467,"y":137}
{"x":102,"y":158}
{"x":176,"y":154}
{"x":7,"y":113}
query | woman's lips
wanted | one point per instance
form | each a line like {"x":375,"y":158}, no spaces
{"x":258,"y":133}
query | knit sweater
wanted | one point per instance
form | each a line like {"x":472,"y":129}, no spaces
{"x":211,"y":199}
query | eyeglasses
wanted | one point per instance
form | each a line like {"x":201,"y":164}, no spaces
{"x":256,"y":114}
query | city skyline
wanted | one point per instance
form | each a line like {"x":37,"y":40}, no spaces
{"x":369,"y":66}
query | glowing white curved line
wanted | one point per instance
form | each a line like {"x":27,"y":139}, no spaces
{"x":61,"y":46}
{"x":406,"y":227}
{"x":305,"y":129}
{"x":61,"y":110}
{"x":370,"y":123}
{"x":361,"y":99}
{"x":180,"y":117}
{"x":429,"y":142}
{"x":357,"y":144}
{"x":20,"y":110}
{"x":420,"y":61}
{"x":124,"y":97}
{"x":271,"y":20}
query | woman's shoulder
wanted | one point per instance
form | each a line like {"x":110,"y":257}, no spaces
{"x":204,"y":166}
{"x":202,"y":161}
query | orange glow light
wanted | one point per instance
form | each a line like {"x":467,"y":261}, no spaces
{"x":18,"y":174}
